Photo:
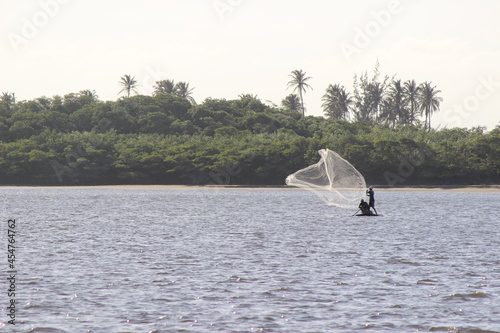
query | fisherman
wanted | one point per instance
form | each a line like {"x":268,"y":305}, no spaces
{"x":365,"y":208}
{"x":371,"y":194}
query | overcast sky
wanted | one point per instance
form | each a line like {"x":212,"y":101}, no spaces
{"x":224,"y":48}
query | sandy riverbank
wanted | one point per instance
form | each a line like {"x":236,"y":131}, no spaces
{"x":444,"y":188}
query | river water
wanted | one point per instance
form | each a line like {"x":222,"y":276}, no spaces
{"x":250,"y":260}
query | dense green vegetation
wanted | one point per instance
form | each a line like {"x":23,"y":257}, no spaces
{"x":169,"y":139}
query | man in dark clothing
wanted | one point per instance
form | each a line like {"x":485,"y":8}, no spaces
{"x":371,"y":194}
{"x":365,"y":208}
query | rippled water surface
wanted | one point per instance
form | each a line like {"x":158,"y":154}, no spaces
{"x":208,"y":260}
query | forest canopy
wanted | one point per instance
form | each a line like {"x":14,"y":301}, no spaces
{"x":168,"y":138}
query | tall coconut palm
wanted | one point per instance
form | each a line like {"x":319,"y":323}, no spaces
{"x":411,"y":92}
{"x":369,"y":99}
{"x":291,"y":103}
{"x":164,"y":87}
{"x":299,"y":83}
{"x":336,"y":102}
{"x":429,"y":101}
{"x":249,"y":96}
{"x":182,"y":90}
{"x":394,"y":110}
{"x":91,"y":94}
{"x":129,"y":84}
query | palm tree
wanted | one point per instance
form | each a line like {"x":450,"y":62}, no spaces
{"x":429,"y":101}
{"x":164,"y":87}
{"x":337,"y":102}
{"x":411,"y":92}
{"x":182,"y":90}
{"x":89,"y":93}
{"x":250,"y":96}
{"x":129,"y":84}
{"x":393,"y":110}
{"x":299,"y":83}
{"x":291,"y":103}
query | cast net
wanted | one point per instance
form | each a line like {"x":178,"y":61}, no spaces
{"x":333,"y":179}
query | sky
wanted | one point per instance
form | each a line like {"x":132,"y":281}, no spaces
{"x":224,"y":48}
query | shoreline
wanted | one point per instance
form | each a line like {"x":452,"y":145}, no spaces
{"x":420,"y":188}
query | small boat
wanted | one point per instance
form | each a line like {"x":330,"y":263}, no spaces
{"x":369,"y":214}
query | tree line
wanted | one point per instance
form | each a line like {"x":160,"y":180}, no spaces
{"x":168,"y":138}
{"x":386,"y":101}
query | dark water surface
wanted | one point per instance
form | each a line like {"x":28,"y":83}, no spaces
{"x":208,"y":260}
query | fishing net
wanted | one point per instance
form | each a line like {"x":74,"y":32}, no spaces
{"x":333,"y":179}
